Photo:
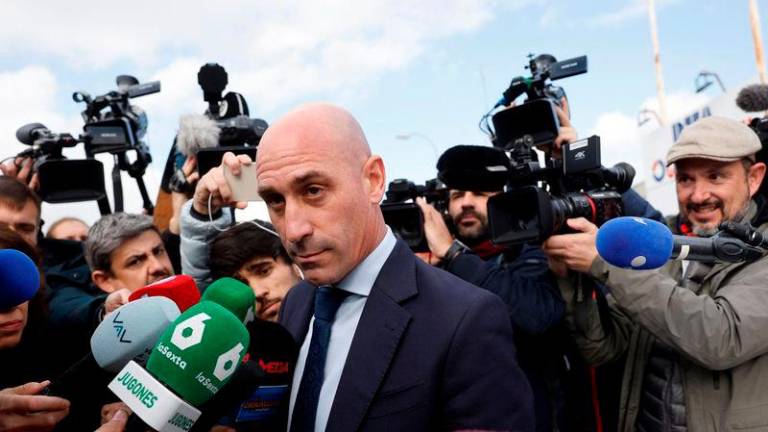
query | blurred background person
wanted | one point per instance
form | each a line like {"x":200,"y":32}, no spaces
{"x":68,"y":228}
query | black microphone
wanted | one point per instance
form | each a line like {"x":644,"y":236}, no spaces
{"x":257,"y":397}
{"x":753,"y":98}
{"x":28,"y":133}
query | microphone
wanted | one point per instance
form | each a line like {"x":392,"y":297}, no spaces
{"x":234,"y":295}
{"x":19,"y":278}
{"x":194,"y":358}
{"x":640,"y":243}
{"x":28,"y":133}
{"x":182,"y":289}
{"x":753,"y":98}
{"x":257,"y":397}
{"x":196,"y":131}
{"x":128,"y":332}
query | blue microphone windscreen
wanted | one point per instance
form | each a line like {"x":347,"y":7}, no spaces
{"x":19,"y":278}
{"x":634,"y":242}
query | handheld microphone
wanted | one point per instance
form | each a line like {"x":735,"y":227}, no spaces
{"x":753,"y":98}
{"x":234,"y":295}
{"x":128,"y":332}
{"x":182,"y":289}
{"x":639,"y":243}
{"x":196,"y":131}
{"x":19,"y":278}
{"x":194,"y":358}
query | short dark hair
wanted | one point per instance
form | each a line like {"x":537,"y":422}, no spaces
{"x":233,"y":248}
{"x":16,"y":195}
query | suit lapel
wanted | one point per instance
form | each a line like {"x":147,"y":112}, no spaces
{"x":376,"y":340}
{"x":297,"y":309}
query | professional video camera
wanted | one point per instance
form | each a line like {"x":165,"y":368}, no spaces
{"x":112,"y":125}
{"x":403,"y":215}
{"x":535,"y":120}
{"x":541,"y":196}
{"x":225,"y":126}
{"x":578,"y":187}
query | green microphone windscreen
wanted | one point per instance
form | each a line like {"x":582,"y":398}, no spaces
{"x":234,"y":295}
{"x":197,"y":354}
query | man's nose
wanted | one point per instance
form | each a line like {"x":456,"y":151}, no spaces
{"x":156,"y":266}
{"x":297,"y":225}
{"x":699,"y":192}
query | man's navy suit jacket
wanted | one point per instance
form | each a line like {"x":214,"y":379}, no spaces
{"x":431,"y":352}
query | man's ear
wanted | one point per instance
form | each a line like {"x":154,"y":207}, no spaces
{"x":103,"y":280}
{"x":375,"y":178}
{"x":755,"y":177}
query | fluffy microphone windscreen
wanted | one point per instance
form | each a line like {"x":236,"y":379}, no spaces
{"x":634,"y":242}
{"x":753,"y":98}
{"x":19,"y":278}
{"x":196,"y":132}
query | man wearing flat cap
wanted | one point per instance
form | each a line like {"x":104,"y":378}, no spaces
{"x":695,"y":334}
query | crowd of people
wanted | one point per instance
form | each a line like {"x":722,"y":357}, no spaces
{"x":468,"y":336}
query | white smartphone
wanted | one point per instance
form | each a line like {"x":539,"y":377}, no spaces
{"x":243,"y":186}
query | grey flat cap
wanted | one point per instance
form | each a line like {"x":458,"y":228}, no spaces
{"x":716,"y":138}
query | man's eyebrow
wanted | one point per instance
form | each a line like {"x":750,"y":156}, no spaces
{"x":308,"y":177}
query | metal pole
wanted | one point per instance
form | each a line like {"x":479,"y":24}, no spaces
{"x":757,"y":38}
{"x":657,"y":62}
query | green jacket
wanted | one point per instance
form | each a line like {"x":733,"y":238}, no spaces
{"x":719,"y":327}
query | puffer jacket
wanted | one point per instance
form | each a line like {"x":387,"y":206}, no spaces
{"x":197,"y":232}
{"x":719,"y":327}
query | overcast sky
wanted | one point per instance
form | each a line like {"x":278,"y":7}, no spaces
{"x":429,"y":67}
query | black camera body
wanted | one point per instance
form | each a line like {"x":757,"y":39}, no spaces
{"x":534,"y":120}
{"x":112,"y":125}
{"x":541,"y":199}
{"x":404,"y":216}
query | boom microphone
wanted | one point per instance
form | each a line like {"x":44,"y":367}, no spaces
{"x":639,"y":243}
{"x":19,"y":278}
{"x":195,"y":357}
{"x":753,"y":98}
{"x":234,"y":295}
{"x":196,"y":131}
{"x":182,"y":289}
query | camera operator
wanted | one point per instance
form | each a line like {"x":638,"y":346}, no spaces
{"x":693,"y":332}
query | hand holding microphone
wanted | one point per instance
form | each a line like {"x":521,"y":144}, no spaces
{"x":639,"y":243}
{"x":192,"y":360}
{"x":213,"y":189}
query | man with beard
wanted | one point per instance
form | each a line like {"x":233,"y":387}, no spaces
{"x":519,"y":275}
{"x":693,"y":332}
